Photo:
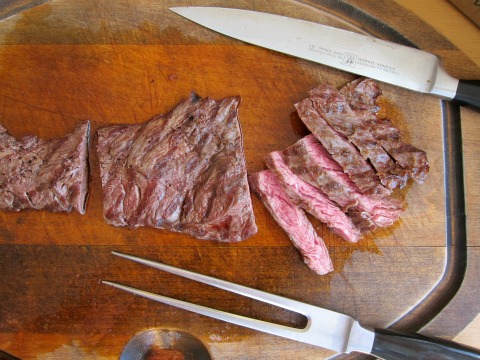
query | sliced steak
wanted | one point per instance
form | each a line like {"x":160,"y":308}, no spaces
{"x":333,"y":107}
{"x":362,"y":94}
{"x":308,"y":159}
{"x":44,"y":175}
{"x":338,"y":146}
{"x":312,"y":199}
{"x":293,"y":221}
{"x":184,"y":171}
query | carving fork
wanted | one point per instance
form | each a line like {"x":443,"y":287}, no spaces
{"x":325,"y":328}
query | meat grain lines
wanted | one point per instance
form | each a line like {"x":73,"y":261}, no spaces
{"x":44,"y":175}
{"x":184,"y":171}
{"x":343,"y":173}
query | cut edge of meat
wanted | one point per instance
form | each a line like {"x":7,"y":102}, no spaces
{"x":341,"y":150}
{"x":309,"y":160}
{"x":382,"y":211}
{"x":81,"y":206}
{"x":292,"y":220}
{"x":313,"y":200}
{"x":332,"y":105}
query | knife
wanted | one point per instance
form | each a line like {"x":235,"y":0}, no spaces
{"x":363,"y":55}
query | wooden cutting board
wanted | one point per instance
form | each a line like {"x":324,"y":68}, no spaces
{"x":123,"y":62}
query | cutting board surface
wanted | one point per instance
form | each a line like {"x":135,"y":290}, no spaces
{"x":122,"y":63}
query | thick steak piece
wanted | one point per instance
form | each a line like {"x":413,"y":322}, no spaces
{"x":44,"y":175}
{"x":312,"y":200}
{"x":184,"y":171}
{"x":310,"y":161}
{"x":361,"y":95}
{"x":293,"y":221}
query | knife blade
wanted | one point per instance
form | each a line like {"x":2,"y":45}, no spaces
{"x":359,"y":54}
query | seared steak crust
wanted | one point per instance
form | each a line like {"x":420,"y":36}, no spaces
{"x":361,"y":95}
{"x":293,"y":221}
{"x":341,"y":149}
{"x":184,"y":171}
{"x":44,"y":175}
{"x":333,"y":107}
{"x":308,"y":159}
{"x":343,"y":173}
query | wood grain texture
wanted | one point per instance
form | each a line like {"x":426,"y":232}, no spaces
{"x":451,"y":23}
{"x":123,"y":62}
{"x":12,"y":7}
{"x":470,"y":334}
{"x":456,"y":27}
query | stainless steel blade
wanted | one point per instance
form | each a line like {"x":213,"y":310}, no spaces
{"x":355,"y":53}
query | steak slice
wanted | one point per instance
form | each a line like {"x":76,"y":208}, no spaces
{"x":293,"y":221}
{"x":333,"y":107}
{"x":310,"y":161}
{"x":313,"y":200}
{"x":338,"y":146}
{"x":47,"y":175}
{"x":362,"y":95}
{"x":184,"y":171}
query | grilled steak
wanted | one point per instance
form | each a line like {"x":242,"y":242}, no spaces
{"x":344,"y":172}
{"x":361,"y":94}
{"x":338,"y":146}
{"x":312,"y":199}
{"x":44,"y":175}
{"x":308,"y":159}
{"x":184,"y":171}
{"x":333,"y":107}
{"x":293,"y":220}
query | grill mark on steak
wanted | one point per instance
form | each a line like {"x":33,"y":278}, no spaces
{"x":312,"y":199}
{"x":362,"y":95}
{"x":333,"y":107}
{"x":361,"y":173}
{"x":293,"y":221}
{"x":310,"y":161}
{"x":343,"y":173}
{"x":184,"y":171}
{"x":45,"y":175}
